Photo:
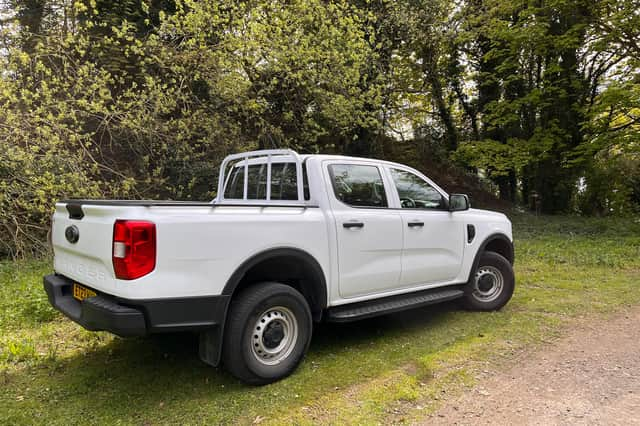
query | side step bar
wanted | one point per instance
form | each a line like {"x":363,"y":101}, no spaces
{"x":388,"y":305}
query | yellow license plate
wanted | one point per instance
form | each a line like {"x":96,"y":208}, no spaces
{"x":81,"y":293}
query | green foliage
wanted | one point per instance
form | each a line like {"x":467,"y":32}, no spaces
{"x":611,"y":187}
{"x":531,"y":92}
{"x":495,"y":157}
{"x":614,"y":123}
{"x":127,"y":99}
{"x":288,"y":73}
{"x":45,"y":155}
{"x":17,"y":351}
{"x":132,"y":104}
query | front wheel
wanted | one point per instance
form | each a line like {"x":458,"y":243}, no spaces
{"x":268,"y":332}
{"x":491,"y":285}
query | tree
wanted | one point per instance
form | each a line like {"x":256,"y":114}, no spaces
{"x":531,"y":96}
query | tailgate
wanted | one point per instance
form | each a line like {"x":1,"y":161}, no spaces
{"x":82,"y":243}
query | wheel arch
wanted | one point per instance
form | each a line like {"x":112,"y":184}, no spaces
{"x":497,"y":243}
{"x":288,"y":265}
{"x":308,"y":277}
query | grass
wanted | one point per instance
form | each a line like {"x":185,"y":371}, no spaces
{"x":389,"y":369}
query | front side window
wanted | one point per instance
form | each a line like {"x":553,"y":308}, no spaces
{"x":358,"y":185}
{"x":414,"y":192}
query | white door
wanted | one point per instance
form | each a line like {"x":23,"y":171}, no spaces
{"x":433,"y":239}
{"x":369,"y":235}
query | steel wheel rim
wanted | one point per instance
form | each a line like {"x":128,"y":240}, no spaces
{"x":488,"y":284}
{"x":274,"y":335}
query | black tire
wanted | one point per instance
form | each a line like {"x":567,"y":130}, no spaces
{"x":248,"y":343}
{"x":491,"y":285}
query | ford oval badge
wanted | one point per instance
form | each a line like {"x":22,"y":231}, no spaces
{"x":72,"y":234}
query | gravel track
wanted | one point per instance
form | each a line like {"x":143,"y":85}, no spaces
{"x":589,"y":377}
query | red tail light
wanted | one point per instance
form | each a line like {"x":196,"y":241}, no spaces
{"x":134,"y":248}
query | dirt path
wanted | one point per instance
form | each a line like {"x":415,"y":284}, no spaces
{"x":591,"y":376}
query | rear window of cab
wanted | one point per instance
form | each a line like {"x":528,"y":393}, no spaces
{"x":283,"y":182}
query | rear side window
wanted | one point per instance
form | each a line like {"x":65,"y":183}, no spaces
{"x":358,"y":185}
{"x":283,"y":182}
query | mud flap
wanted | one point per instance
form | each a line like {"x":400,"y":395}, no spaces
{"x":210,"y":347}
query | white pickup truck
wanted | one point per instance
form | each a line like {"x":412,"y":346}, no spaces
{"x":290,"y":240}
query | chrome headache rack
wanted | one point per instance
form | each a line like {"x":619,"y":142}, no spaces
{"x":244,"y":157}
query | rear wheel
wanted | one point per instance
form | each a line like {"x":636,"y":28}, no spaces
{"x":268,"y":332}
{"x":491,"y":285}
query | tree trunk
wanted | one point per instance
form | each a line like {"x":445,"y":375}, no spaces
{"x":30,"y":18}
{"x":451,"y":133}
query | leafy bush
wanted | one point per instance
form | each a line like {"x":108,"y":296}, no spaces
{"x":611,"y":187}
{"x":105,"y":111}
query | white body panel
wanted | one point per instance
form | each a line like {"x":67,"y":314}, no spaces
{"x":433,"y":252}
{"x":200,"y":247}
{"x":369,"y":258}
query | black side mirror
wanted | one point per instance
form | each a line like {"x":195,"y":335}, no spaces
{"x":458,"y":202}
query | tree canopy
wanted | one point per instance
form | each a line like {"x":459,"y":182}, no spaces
{"x":135,"y":99}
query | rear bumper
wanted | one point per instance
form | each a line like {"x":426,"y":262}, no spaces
{"x":126,"y":317}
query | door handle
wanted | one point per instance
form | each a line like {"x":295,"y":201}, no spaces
{"x":415,"y":224}
{"x":350,"y":225}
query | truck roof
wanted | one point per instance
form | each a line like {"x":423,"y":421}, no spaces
{"x":304,"y":157}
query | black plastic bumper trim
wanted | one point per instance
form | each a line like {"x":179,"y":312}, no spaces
{"x":126,"y":317}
